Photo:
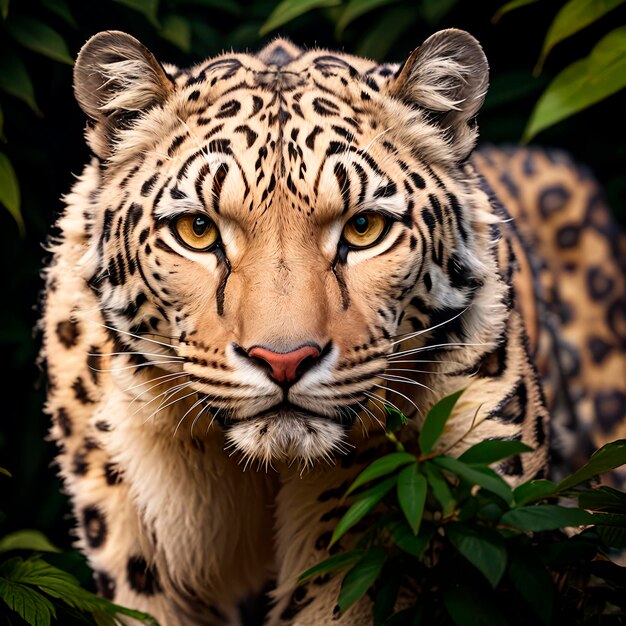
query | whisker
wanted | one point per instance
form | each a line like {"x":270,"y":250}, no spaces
{"x":404,"y":379}
{"x":126,"y":332}
{"x":430,"y":328}
{"x":131,"y":367}
{"x":157,"y":354}
{"x":433,"y":347}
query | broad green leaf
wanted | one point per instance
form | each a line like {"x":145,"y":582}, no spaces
{"x":482,"y":547}
{"x":533,"y":490}
{"x":148,"y":8}
{"x":466,"y":608}
{"x":360,"y":578}
{"x":603,"y":499}
{"x":493,"y":450}
{"x":355,"y":9}
{"x":27,"y":540}
{"x":404,"y":538}
{"x":476,"y":475}
{"x":176,"y":30}
{"x":573,"y":17}
{"x":385,"y":599}
{"x":433,"y":11}
{"x":4,"y":9}
{"x":62,"y":9}
{"x":610,"y":456}
{"x":333,"y":564}
{"x":440,"y":488}
{"x":386,"y":31}
{"x":28,"y":603}
{"x":288,"y":10}
{"x":39,"y":37}
{"x":363,"y":504}
{"x":10,"y":190}
{"x":612,"y":536}
{"x":436,"y":420}
{"x":533,"y":582}
{"x":582,"y":84}
{"x":510,"y":6}
{"x":381,"y":467}
{"x":545,"y":517}
{"x":412,"y":488}
{"x":394,"y":419}
{"x":15,"y":81}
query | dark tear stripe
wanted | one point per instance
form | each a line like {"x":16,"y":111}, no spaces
{"x":161,"y":245}
{"x":159,"y":195}
{"x":343,"y":180}
{"x":343,"y":288}
{"x":310,"y":140}
{"x":363,"y":178}
{"x":218,"y":182}
{"x":203,"y":172}
{"x":400,"y":239}
{"x":222,"y":259}
{"x":251,"y":136}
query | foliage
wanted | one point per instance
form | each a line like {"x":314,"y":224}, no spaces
{"x":36,"y":592}
{"x":472,"y":551}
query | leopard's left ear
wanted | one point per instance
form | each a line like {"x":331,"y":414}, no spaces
{"x":448,"y":76}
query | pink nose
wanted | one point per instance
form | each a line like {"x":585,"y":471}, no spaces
{"x":286,"y":367}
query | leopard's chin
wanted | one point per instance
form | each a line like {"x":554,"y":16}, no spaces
{"x":287,"y":434}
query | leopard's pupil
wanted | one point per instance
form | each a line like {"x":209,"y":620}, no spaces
{"x":200,"y":225}
{"x":360,"y":224}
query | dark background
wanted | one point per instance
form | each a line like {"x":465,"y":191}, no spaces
{"x":48,"y":151}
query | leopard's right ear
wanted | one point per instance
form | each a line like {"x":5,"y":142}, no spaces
{"x":116,"y":78}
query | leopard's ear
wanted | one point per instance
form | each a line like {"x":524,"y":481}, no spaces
{"x":116,"y":78}
{"x":448,"y":76}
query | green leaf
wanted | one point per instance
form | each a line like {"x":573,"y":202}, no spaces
{"x":10,"y":190}
{"x":466,"y":608}
{"x":433,"y":11}
{"x":385,"y":599}
{"x":364,"y":503}
{"x":543,"y":517}
{"x":510,"y":6}
{"x":482,"y":547}
{"x":440,"y":488}
{"x":608,"y":457}
{"x":2,"y":137}
{"x":28,"y":603}
{"x":603,"y":499}
{"x":148,"y":8}
{"x":176,"y":30}
{"x":385,"y":32}
{"x":394,"y":419}
{"x":533,"y":582}
{"x":381,"y":467}
{"x":27,"y":540}
{"x":493,"y":450}
{"x":612,"y":536}
{"x":225,"y":6}
{"x":582,"y":84}
{"x":5,"y":471}
{"x":533,"y":490}
{"x":476,"y":475}
{"x":39,"y":37}
{"x":360,"y":578}
{"x":333,"y":564}
{"x":573,"y":17}
{"x":62,"y":9}
{"x":412,"y":488}
{"x":15,"y":81}
{"x":288,"y":10}
{"x":4,"y":9}
{"x":436,"y":420}
{"x":355,"y":9}
{"x":404,"y":538}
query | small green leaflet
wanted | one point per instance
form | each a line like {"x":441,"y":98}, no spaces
{"x":381,"y":467}
{"x":603,"y":499}
{"x":27,"y":540}
{"x":360,"y":578}
{"x":440,"y":488}
{"x":10,"y":190}
{"x":395,"y":419}
{"x":39,"y":37}
{"x":288,"y":10}
{"x":482,"y":547}
{"x":15,"y":80}
{"x":493,"y":450}
{"x":148,"y":8}
{"x":334,"y":564}
{"x":364,"y":503}
{"x":545,"y":517}
{"x":404,"y":538}
{"x":177,"y":31}
{"x":510,"y":6}
{"x":435,"y":421}
{"x":533,"y":490}
{"x":412,"y":488}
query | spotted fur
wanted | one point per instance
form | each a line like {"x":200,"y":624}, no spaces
{"x":196,"y":479}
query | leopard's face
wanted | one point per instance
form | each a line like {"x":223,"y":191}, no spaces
{"x":265,"y":229}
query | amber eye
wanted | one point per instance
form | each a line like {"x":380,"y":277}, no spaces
{"x":197,"y":231}
{"x":365,"y":229}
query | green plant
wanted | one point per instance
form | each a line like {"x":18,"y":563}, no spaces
{"x":470,"y":550}
{"x":34,"y":591}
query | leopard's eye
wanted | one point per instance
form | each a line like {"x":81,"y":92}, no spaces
{"x":365,"y":229}
{"x":197,"y":232}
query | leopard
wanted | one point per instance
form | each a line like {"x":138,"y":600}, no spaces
{"x":266,"y":254}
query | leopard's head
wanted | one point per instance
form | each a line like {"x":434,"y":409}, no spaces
{"x":273,"y":225}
